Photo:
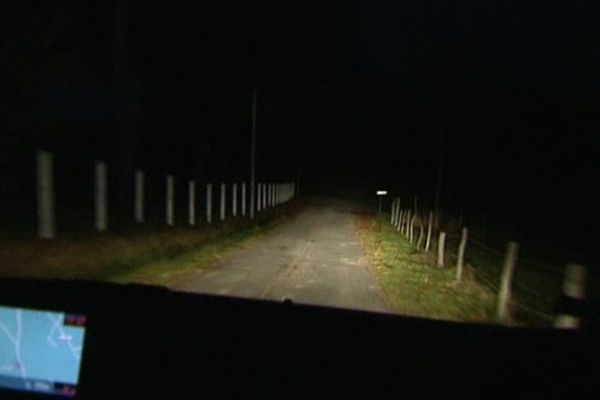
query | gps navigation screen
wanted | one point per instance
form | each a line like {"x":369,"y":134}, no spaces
{"x":40,"y":351}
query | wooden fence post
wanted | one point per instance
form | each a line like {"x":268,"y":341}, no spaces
{"x":392,"y":211}
{"x":398,"y":210}
{"x":411,"y":225}
{"x":573,"y":288}
{"x":461,"y":254}
{"x":429,"y":231}
{"x":510,"y":261}
{"x":440,"y":253}
{"x":400,"y":214}
{"x":45,"y":195}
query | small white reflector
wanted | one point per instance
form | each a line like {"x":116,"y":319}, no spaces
{"x":381,"y":192}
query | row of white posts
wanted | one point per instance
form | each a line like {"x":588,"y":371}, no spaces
{"x":405,"y":220}
{"x":268,"y":195}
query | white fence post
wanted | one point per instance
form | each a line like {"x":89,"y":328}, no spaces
{"x":264,"y":196}
{"x":278,"y":194}
{"x":243,"y":199}
{"x":234,"y":199}
{"x":393,"y":210}
{"x":510,"y":260}
{"x":138,"y":208}
{"x":440,"y":254}
{"x":252,"y":203}
{"x":222,"y":214}
{"x":461,"y":254}
{"x":100,"y":198}
{"x":573,"y":288}
{"x":192,"y":203}
{"x":45,"y":195}
{"x":170,"y":200}
{"x":271,"y":203}
{"x":258,"y":196}
{"x":209,"y":206}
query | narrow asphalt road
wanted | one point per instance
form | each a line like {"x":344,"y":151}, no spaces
{"x":313,"y":258}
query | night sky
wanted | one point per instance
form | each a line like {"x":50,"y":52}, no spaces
{"x":353,"y":95}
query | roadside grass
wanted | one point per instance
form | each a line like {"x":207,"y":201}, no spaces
{"x":151,"y":256}
{"x":168,"y":270}
{"x":413,"y":286}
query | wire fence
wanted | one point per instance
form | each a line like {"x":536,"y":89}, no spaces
{"x":535,"y":287}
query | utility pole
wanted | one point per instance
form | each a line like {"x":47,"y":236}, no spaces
{"x":253,"y":157}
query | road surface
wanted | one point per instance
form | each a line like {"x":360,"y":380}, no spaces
{"x":313,"y":258}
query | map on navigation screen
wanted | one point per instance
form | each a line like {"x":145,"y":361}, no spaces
{"x":40,"y":350}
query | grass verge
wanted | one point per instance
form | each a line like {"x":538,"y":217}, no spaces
{"x":413,"y":286}
{"x":158,"y":256}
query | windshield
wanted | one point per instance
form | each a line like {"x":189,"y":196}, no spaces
{"x":418,"y":159}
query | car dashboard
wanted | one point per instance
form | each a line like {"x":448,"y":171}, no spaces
{"x":97,"y":340}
